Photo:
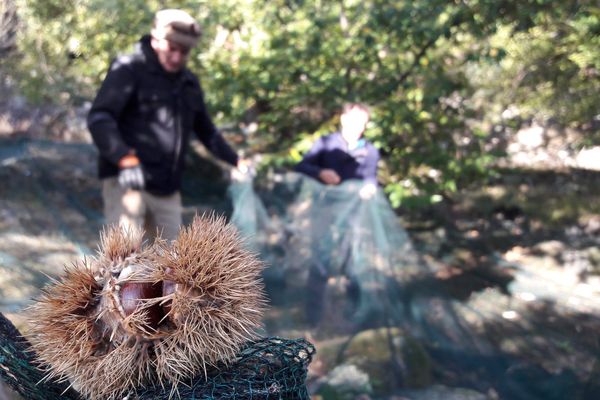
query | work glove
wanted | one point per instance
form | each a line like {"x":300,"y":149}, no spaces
{"x":131,"y":175}
{"x":367,"y":191}
{"x":132,"y":178}
{"x":244,"y":171}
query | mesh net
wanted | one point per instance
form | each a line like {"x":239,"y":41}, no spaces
{"x":330,"y":251}
{"x":385,"y":319}
{"x":271,"y":368}
{"x":51,"y":208}
{"x":343,"y":272}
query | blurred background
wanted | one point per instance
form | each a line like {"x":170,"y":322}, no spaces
{"x":486,"y":116}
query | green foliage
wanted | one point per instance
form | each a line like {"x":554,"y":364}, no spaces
{"x":278,"y":71}
{"x":66,"y":46}
{"x":550,"y":70}
{"x":8,"y":29}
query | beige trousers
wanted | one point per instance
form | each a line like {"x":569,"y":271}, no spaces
{"x":142,"y":210}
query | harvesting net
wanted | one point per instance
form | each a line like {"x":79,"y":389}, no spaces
{"x":385,"y":319}
{"x":338,"y":256}
{"x":50,"y":204}
{"x":343,"y":272}
{"x":269,"y":368}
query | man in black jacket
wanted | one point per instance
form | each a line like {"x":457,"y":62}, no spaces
{"x":141,"y":122}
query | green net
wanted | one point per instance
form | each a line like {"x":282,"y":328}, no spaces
{"x":19,"y":372}
{"x":270,"y":368}
{"x":343,"y":272}
{"x":330,"y":251}
{"x":386,"y":318}
{"x":50,"y":203}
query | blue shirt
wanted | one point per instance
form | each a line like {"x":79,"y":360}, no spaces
{"x":332,"y":152}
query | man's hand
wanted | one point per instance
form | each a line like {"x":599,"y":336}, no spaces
{"x":329,"y":177}
{"x":131,"y":175}
{"x":244,"y":170}
{"x":244,"y":165}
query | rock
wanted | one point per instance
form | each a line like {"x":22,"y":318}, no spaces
{"x":390,"y":357}
{"x":439,"y":392}
{"x":345,"y":382}
{"x":552,"y":248}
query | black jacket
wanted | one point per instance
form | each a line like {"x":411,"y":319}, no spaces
{"x":143,"y":108}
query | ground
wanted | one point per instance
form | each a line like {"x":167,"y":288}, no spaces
{"x":518,"y":260}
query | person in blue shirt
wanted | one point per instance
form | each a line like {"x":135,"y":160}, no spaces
{"x":333,"y":159}
{"x":344,"y":155}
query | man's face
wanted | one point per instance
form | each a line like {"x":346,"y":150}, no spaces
{"x":172,"y":56}
{"x":354,"y":121}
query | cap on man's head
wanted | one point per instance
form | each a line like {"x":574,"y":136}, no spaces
{"x":176,"y":26}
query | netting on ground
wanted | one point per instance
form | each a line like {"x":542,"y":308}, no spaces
{"x":385,"y":319}
{"x":51,"y":206}
{"x":343,"y":272}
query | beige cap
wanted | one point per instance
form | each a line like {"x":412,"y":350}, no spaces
{"x":177,"y":26}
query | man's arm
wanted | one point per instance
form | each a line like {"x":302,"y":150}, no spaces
{"x":310,"y":162}
{"x":114,"y":93}
{"x":370,"y":168}
{"x":370,"y":174}
{"x":211,"y":138}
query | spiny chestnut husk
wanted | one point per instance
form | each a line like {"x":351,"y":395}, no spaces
{"x":140,"y":315}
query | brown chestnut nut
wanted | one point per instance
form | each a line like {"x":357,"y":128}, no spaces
{"x":132,"y":294}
